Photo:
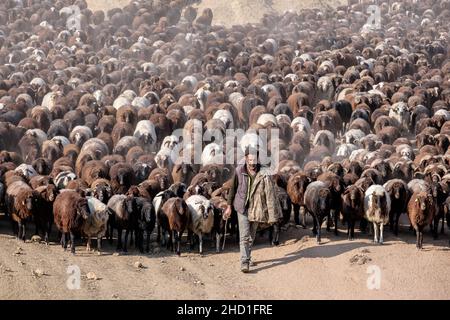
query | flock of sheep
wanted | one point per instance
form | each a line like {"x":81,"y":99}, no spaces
{"x":87,"y":118}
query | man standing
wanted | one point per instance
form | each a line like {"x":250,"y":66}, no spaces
{"x":252,"y":195}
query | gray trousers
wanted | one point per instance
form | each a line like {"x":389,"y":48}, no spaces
{"x":247,"y":233}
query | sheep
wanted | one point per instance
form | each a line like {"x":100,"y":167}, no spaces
{"x":93,"y":170}
{"x":352,"y":208}
{"x":146,"y":134}
{"x":174,"y":218}
{"x":125,"y":144}
{"x":318,"y":204}
{"x":325,"y":138}
{"x":122,"y":177}
{"x":21,"y":204}
{"x":399,"y":112}
{"x":201,"y":218}
{"x":399,"y":194}
{"x":63,"y":178}
{"x":26,"y":170}
{"x":80,"y":134}
{"x":70,"y":210}
{"x":122,"y":217}
{"x":377,"y":205}
{"x":95,"y":224}
{"x":43,"y":218}
{"x":421,"y":211}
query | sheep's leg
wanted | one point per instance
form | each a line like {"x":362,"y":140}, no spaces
{"x":350,"y":229}
{"x":417,"y":239}
{"x":391,"y":221}
{"x":178,"y":241}
{"x":296,"y":214}
{"x":169,"y":242}
{"x":72,"y":242}
{"x":147,"y":247}
{"x":381,"y":233}
{"x":435,"y":227}
{"x":329,"y":218}
{"x":314,"y":230}
{"x":119,"y":238}
{"x":443,"y":222}
{"x":200,"y":245}
{"x":276,"y":232}
{"x":218,"y":238}
{"x":132,"y":238}
{"x":158,"y":235}
{"x":127,"y":232}
{"x":88,"y":245}
{"x":99,"y":244}
{"x":48,"y":231}
{"x":397,"y":218}
{"x":190,"y":240}
{"x":319,"y":229}
{"x":363,"y":225}
{"x":172,"y":240}
{"x":336,"y":216}
{"x":22,"y":236}
{"x":304,"y":213}
{"x":375,"y":232}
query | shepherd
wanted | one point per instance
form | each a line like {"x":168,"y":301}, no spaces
{"x":253,"y":197}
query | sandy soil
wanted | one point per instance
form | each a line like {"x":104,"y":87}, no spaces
{"x":233,"y":12}
{"x":297,"y":269}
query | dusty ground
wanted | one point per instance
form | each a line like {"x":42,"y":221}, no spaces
{"x":234,"y":11}
{"x":298,"y":269}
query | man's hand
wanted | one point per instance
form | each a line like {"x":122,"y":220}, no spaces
{"x":227,"y":213}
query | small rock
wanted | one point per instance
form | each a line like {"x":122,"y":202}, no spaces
{"x":37,"y":273}
{"x":21,"y":262}
{"x":115,"y":254}
{"x":211,"y":265}
{"x":360,"y":259}
{"x":138,"y":265}
{"x":18,"y":251}
{"x":91,"y":276}
{"x":182,"y":269}
{"x":28,"y":241}
{"x":115,"y":296}
{"x":157,"y":250}
{"x":36,"y":238}
{"x":365,"y":251}
{"x":234,"y":296}
{"x":163,"y":261}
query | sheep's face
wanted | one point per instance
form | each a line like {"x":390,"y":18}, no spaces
{"x":284,"y":202}
{"x":130,"y":204}
{"x":122,"y":177}
{"x":163,"y":182}
{"x":51,"y":192}
{"x":142,"y":172}
{"x":41,"y":167}
{"x":436,"y":189}
{"x":30,"y":202}
{"x":147,"y":138}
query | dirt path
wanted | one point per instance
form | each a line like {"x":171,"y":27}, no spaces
{"x":298,"y":269}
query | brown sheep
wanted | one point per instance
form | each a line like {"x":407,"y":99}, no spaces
{"x":122,"y":177}
{"x":173,"y":218}
{"x":93,"y":170}
{"x":296,"y":188}
{"x":70,"y":210}
{"x":421,"y":211}
{"x":352,"y":208}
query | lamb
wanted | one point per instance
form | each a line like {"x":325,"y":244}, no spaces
{"x":377,"y":205}
{"x":421,"y":211}
{"x":318,"y":203}
{"x":174,"y":218}
{"x":95,"y":224}
{"x":202,"y":218}
{"x":70,"y":210}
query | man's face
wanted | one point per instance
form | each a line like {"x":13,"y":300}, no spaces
{"x":251,"y":161}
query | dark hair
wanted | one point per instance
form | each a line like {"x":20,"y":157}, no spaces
{"x":251,"y":150}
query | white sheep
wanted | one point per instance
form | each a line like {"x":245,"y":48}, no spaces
{"x":400,"y":114}
{"x":96,"y":223}
{"x":325,"y":89}
{"x":165,"y":158}
{"x":145,"y":132}
{"x":354,"y":136}
{"x":62,"y":140}
{"x":300,"y":124}
{"x":345,"y":150}
{"x":226,"y":117}
{"x":49,"y":100}
{"x":27,"y":170}
{"x":212,"y":154}
{"x":140,"y":102}
{"x":120,"y":102}
{"x":40,"y":135}
{"x":80,"y":134}
{"x":406,"y":151}
{"x":265,"y":118}
{"x":418,"y":185}
{"x":63,"y":178}
{"x":377,"y":205}
{"x":202,"y":217}
{"x":170,"y":142}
